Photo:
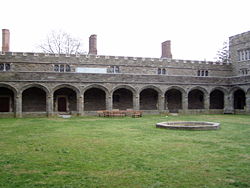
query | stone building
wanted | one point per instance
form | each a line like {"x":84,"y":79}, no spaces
{"x":38,"y":84}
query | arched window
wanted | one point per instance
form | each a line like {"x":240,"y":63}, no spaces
{"x":159,"y":70}
{"x":56,"y":68}
{"x":4,"y":66}
{"x":67,"y":68}
{"x":202,"y":73}
{"x":206,"y":73}
{"x":163,"y":71}
{"x":61,"y":68}
{"x":199,"y":73}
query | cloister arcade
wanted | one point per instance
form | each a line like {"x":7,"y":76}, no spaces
{"x":68,"y":99}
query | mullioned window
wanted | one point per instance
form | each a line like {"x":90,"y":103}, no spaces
{"x":114,"y":69}
{"x":62,"y":68}
{"x":202,"y":73}
{"x":244,"y":71}
{"x":244,"y":55}
{"x":161,"y":71}
{"x":4,"y":67}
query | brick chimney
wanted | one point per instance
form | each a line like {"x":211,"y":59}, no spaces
{"x":166,"y":49}
{"x":5,"y":40}
{"x":92,"y":45}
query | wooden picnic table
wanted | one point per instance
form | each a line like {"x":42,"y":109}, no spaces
{"x":119,"y":113}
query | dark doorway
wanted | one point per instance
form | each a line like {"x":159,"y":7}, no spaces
{"x":6,"y":100}
{"x":216,"y":99}
{"x":122,"y":99}
{"x":148,"y":99}
{"x":239,"y":99}
{"x":173,"y":100}
{"x":4,"y":104}
{"x":62,"y":104}
{"x":195,"y":99}
{"x":34,"y":100}
{"x":94,"y":99}
{"x":65,"y":100}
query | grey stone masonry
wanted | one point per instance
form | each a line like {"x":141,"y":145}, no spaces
{"x":34,"y":62}
{"x":49,"y":84}
{"x":239,"y":48}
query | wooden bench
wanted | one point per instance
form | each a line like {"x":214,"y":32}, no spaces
{"x":119,"y":113}
{"x":100,"y":113}
{"x":136,"y":114}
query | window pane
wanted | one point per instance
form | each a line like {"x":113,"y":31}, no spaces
{"x":159,"y":71}
{"x":1,"y":67}
{"x":248,"y":54}
{"x":67,"y":68}
{"x":202,"y":73}
{"x":199,"y":73}
{"x":61,"y":68}
{"x":56,"y":68}
{"x":7,"y":67}
{"x":117,"y":69}
{"x":206,"y":73}
{"x":163,"y":71}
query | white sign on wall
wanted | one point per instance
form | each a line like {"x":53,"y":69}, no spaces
{"x":91,"y":70}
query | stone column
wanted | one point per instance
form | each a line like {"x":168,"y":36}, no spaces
{"x":109,"y":101}
{"x":80,"y":104}
{"x":49,"y":104}
{"x":136,"y":101}
{"x":185,"y":103}
{"x":18,"y":105}
{"x":161,"y":101}
{"x":228,"y":104}
{"x":206,"y":102}
{"x":248,"y":103}
{"x":166,"y":104}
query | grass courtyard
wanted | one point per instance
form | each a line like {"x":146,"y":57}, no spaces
{"x":124,"y":152}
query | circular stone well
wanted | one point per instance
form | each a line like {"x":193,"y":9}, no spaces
{"x":189,"y":125}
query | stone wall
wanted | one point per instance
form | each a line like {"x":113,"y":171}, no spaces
{"x":238,"y":43}
{"x":128,"y":65}
{"x":136,"y":85}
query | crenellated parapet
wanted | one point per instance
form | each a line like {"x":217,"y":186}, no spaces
{"x":105,"y":57}
{"x":26,"y":61}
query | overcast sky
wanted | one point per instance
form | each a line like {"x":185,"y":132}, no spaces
{"x":196,"y":28}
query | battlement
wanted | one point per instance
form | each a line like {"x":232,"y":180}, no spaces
{"x":247,"y":33}
{"x":107,"y":57}
{"x":239,"y":39}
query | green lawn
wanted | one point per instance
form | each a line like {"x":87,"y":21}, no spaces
{"x":124,"y":152}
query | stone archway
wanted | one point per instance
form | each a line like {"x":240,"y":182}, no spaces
{"x":33,"y":100}
{"x":239,"y":99}
{"x":173,"y":100}
{"x":122,"y":99}
{"x":94,"y":99}
{"x":65,"y":100}
{"x":149,"y":99}
{"x":216,"y":99}
{"x":195,"y":99}
{"x":6,"y":100}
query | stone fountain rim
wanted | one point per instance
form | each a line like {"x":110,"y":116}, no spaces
{"x":193,"y":125}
